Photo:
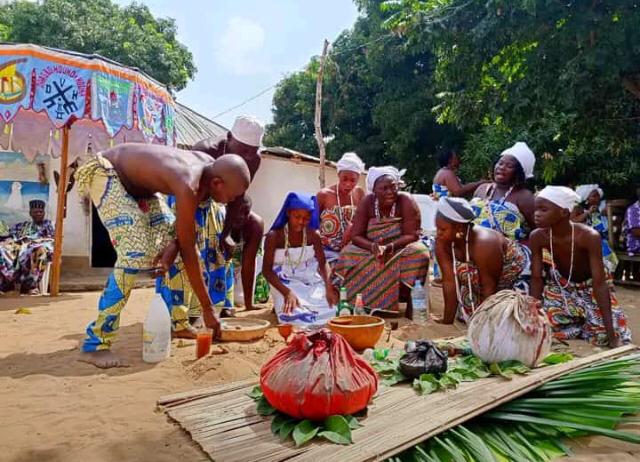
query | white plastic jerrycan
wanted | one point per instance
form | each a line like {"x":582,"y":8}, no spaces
{"x":156,"y":331}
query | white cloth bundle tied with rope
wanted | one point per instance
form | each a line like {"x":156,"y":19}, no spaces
{"x":510,"y":326}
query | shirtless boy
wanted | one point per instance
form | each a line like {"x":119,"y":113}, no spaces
{"x":576,"y":293}
{"x":124,"y":183}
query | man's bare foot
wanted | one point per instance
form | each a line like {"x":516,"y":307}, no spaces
{"x":103,"y":359}
{"x":226,"y":313}
{"x":191,"y":334}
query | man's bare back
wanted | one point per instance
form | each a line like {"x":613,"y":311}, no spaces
{"x":146,"y":169}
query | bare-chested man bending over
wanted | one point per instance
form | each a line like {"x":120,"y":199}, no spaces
{"x":124,"y":183}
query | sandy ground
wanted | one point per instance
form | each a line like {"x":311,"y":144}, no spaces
{"x":54,"y":408}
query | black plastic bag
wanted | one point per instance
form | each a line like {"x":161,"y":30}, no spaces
{"x":422,"y":357}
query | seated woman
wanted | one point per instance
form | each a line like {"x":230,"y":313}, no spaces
{"x":385,"y":250}
{"x":590,"y":212}
{"x":338,"y":204}
{"x":295,"y":266}
{"x":506,"y":205}
{"x":446,"y":182}
{"x":476,"y":262}
{"x":569,"y":277}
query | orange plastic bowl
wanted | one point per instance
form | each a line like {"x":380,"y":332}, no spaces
{"x":361,"y":331}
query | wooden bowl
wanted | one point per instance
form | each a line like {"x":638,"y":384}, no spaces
{"x":361,"y":331}
{"x":242,"y":329}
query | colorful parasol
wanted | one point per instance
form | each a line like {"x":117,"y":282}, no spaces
{"x":54,"y":101}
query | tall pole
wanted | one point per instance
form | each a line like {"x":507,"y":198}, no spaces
{"x":318,"y":120}
{"x":62,"y":200}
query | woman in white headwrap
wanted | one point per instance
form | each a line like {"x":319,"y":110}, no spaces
{"x":385,"y":250}
{"x":590,"y":211}
{"x":506,"y":205}
{"x":476,"y":262}
{"x":338,"y":204}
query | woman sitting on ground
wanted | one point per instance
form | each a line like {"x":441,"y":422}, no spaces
{"x":295,"y":266}
{"x":590,"y":212}
{"x":446,"y":182}
{"x":506,"y":205}
{"x":385,"y":250}
{"x":476,"y":262}
{"x":338,"y":204}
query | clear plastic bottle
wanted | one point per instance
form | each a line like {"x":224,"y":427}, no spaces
{"x":156,"y":332}
{"x":419,"y":302}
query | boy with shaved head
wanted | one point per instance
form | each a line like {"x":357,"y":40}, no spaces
{"x":569,"y":276}
{"x":124,"y":183}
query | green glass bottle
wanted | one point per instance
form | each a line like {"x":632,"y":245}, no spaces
{"x":344,"y":309}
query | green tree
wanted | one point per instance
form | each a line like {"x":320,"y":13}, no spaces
{"x":377,"y":101}
{"x":129,"y":35}
{"x":562,"y":76}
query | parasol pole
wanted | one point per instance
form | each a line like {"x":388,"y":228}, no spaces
{"x":62,"y":200}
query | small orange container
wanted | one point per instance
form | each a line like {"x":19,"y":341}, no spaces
{"x":203,"y":342}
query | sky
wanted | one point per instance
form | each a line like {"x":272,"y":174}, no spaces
{"x":244,"y":47}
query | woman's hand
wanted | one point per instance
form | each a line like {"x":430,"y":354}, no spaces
{"x":166,"y":257}
{"x":332,"y":295}
{"x":291,"y":302}
{"x":211,"y":321}
{"x":378,"y":251}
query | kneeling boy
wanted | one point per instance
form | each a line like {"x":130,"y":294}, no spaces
{"x":568,"y":274}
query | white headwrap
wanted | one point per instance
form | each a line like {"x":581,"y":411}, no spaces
{"x":350,"y":162}
{"x":525,"y":157}
{"x":563,"y":197}
{"x":376,"y":172}
{"x":586,"y":189}
{"x":456,"y":209}
{"x":248,"y":130}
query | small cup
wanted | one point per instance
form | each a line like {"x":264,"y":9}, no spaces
{"x":203,"y":342}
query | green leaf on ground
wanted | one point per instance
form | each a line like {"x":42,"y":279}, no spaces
{"x":304,"y":432}
{"x":334,"y":437}
{"x":256,"y":392}
{"x":557,"y":358}
{"x":264,"y":408}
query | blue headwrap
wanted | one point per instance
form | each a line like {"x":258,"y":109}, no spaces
{"x":302,"y":201}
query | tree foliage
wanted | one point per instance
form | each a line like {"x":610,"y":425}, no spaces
{"x":562,"y":76}
{"x":129,"y":35}
{"x":377,"y":101}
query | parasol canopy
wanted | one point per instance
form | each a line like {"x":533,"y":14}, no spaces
{"x":53,"y":102}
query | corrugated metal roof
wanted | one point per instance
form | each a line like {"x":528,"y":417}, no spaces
{"x":192,"y":127}
{"x":287,"y":153}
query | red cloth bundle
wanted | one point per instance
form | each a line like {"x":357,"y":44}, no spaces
{"x":316,"y":376}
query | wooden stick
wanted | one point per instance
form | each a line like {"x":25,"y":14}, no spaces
{"x":318,"y":120}
{"x":62,"y":200}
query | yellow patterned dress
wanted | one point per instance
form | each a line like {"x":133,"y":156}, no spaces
{"x":138,"y":229}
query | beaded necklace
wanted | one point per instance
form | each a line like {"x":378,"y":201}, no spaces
{"x":286,"y":248}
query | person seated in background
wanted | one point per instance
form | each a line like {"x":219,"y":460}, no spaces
{"x":591,"y":212}
{"x":569,"y":276}
{"x":385,"y":256}
{"x":631,"y":227}
{"x":295,"y":266}
{"x":25,"y":252}
{"x":338,"y":204}
{"x":476,"y":262}
{"x":446,"y":182}
{"x":247,"y":232}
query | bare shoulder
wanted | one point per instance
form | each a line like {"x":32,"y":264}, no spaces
{"x":313,"y":235}
{"x":406,"y":200}
{"x":586,"y":235}
{"x":358,"y":193}
{"x":538,"y":236}
{"x":481,"y":191}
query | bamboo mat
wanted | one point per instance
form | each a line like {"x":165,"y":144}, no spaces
{"x":224,"y":422}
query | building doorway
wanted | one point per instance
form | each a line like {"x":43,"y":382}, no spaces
{"x":102,"y":253}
